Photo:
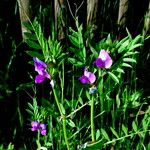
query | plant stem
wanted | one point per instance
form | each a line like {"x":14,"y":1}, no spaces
{"x":65,"y":133}
{"x":57,"y":102}
{"x":72,"y":89}
{"x":38,"y":141}
{"x":101,"y":96}
{"x":92,"y":120}
{"x":63,"y":119}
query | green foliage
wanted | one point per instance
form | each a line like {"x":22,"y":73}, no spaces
{"x":78,"y":46}
{"x":9,"y":147}
{"x":67,"y":110}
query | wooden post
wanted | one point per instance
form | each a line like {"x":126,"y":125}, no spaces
{"x":60,"y":19}
{"x":92,"y":8}
{"x":24,"y":14}
{"x":147,"y":21}
{"x":123,"y":7}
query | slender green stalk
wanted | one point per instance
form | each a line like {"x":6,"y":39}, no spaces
{"x":72,"y":88}
{"x":126,"y":136}
{"x":38,"y":141}
{"x":72,"y":113}
{"x":57,"y":102}
{"x":62,"y":82}
{"x":92,"y":119}
{"x":101,"y":95}
{"x":65,"y":133}
{"x":63,"y":119}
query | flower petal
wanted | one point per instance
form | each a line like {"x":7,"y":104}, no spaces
{"x":35,"y":125}
{"x":39,"y":65}
{"x":103,"y":55}
{"x":108,"y":62}
{"x":39,"y":78}
{"x":42,"y":126}
{"x":43,"y":132}
{"x":99,"y":63}
{"x":103,"y":60}
{"x":91,"y":77}
{"x":45,"y":73}
{"x":84,"y":79}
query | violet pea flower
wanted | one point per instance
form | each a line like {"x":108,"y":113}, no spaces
{"x":88,"y":77}
{"x":35,"y":125}
{"x":38,"y":126}
{"x":40,"y":67}
{"x":103,"y":60}
{"x":43,"y":129}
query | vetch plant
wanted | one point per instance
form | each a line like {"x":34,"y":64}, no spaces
{"x":94,"y":112}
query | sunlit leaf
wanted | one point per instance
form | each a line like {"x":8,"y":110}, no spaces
{"x":126,"y":65}
{"x":33,"y":44}
{"x":35,"y":54}
{"x":114,"y":132}
{"x":75,"y":62}
{"x":134,"y":126}
{"x":114,"y":77}
{"x":71,"y":123}
{"x":105,"y":134}
{"x":129,"y":60}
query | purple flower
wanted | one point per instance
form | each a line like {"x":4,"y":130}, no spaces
{"x":35,"y":125}
{"x":43,"y":129}
{"x":38,"y":126}
{"x":103,"y":60}
{"x":40,"y":67}
{"x":88,"y":77}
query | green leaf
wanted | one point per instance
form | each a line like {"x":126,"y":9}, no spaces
{"x":74,"y":33}
{"x":114,"y":77}
{"x":134,"y":126}
{"x":97,"y":134}
{"x":123,"y":46}
{"x":24,"y":86}
{"x":120,"y":70}
{"x":62,"y":108}
{"x":33,"y":44}
{"x":124,"y":129}
{"x":30,"y":112}
{"x":121,"y":42}
{"x":88,"y":95}
{"x":129,"y":60}
{"x":71,"y":123}
{"x":96,"y":145}
{"x":94,"y":51}
{"x":28,"y":25}
{"x":30,"y":106}
{"x":136,"y":40}
{"x":118,"y":101}
{"x":105,"y":134}
{"x":74,"y":41}
{"x":130,"y":53}
{"x":129,"y":35}
{"x":114,"y":132}
{"x":80,"y":100}
{"x":31,"y":36}
{"x":126,"y":65}
{"x":35,"y":54}
{"x":75,"y":62}
{"x":134,"y":46}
